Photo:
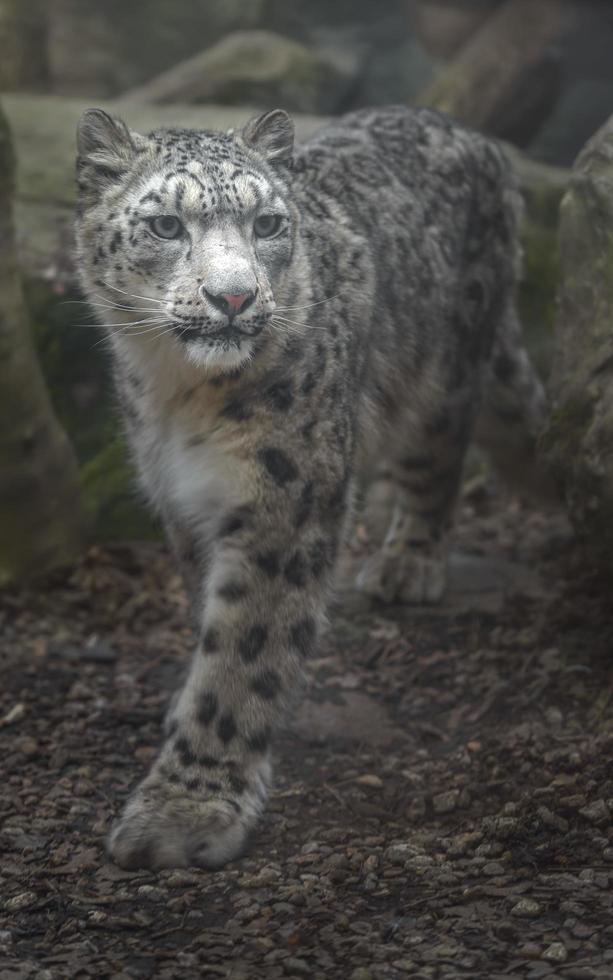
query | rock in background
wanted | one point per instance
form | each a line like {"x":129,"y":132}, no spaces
{"x":106,"y":50}
{"x":102,"y":49}
{"x":578,"y":442}
{"x":586,"y":91}
{"x":253,"y":68}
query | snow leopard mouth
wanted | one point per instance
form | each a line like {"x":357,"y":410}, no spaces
{"x":227,"y":337}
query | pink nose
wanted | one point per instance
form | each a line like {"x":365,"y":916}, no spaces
{"x":229,"y":303}
{"x":236,"y":303}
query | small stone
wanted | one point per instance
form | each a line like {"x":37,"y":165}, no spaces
{"x":195,"y":916}
{"x":361,"y":973}
{"x":293,"y":964}
{"x":398,"y":853}
{"x":525,"y":908}
{"x":27,"y":746}
{"x":555,"y":953}
{"x":573,"y":802}
{"x":492,"y":868}
{"x":530,"y":951}
{"x":6,"y":936}
{"x":297,"y":898}
{"x":79,"y":692}
{"x":506,"y":930}
{"x":463,"y":843}
{"x":554,"y":716}
{"x":98,"y":652}
{"x":282,"y":908}
{"x":579,"y":973}
{"x":22,"y":901}
{"x":489,"y":849}
{"x":338,"y":861}
{"x":311,"y":847}
{"x":180,"y":879}
{"x":552,"y":819}
{"x":419,"y":861}
{"x":597,"y":813}
{"x":446,"y":802}
{"x":96,"y":917}
{"x":151,"y":892}
{"x":369,"y":779}
{"x":14,"y":714}
{"x":416,"y":810}
{"x":361,"y":927}
{"x":267,"y":876}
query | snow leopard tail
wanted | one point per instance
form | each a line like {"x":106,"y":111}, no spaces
{"x":513,"y":402}
{"x":513,"y":411}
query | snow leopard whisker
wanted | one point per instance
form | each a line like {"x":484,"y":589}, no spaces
{"x":109,"y":285}
{"x":125,"y":327}
{"x":110,"y":305}
{"x":287,"y":327}
{"x":106,"y":304}
{"x":297,"y":323}
{"x":164,"y":332}
{"x":308,"y":306}
{"x":126,"y":309}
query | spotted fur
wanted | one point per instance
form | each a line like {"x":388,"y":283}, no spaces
{"x":368,"y":324}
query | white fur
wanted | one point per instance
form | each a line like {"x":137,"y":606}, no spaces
{"x":219,"y":358}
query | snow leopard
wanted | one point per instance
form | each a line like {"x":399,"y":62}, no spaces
{"x":280,"y":318}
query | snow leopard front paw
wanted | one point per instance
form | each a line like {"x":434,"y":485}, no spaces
{"x":165,"y":825}
{"x":408,"y":576}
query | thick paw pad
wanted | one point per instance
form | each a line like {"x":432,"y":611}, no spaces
{"x":159,"y":831}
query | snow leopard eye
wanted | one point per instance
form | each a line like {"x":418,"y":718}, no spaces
{"x":267,"y":225}
{"x":166,"y":226}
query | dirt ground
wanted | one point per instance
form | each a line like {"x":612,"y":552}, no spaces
{"x":443,"y":799}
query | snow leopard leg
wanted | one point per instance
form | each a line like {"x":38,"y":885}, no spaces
{"x":190,"y":559}
{"x":513,"y":410}
{"x":270,"y":561}
{"x":411,"y":565}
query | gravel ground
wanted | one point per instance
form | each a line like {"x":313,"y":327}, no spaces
{"x":443,"y":798}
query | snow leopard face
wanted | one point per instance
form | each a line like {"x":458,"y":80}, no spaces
{"x":186,"y":233}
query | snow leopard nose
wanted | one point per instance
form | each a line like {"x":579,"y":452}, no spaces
{"x":230,"y":303}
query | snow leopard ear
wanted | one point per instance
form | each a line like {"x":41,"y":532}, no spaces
{"x":271,"y":135}
{"x":106,"y":147}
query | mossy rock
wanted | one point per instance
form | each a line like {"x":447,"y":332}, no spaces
{"x":76,"y":367}
{"x":110,"y":494}
{"x":543,"y":188}
{"x":253,"y":68}
{"x":578,"y":442}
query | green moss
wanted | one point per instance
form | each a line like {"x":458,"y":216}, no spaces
{"x":111,"y":500}
{"x":77,"y":373}
{"x":543,"y":201}
{"x":565,"y":434}
{"x":75,"y":366}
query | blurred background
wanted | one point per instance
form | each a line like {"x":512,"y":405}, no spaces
{"x":325,"y":56}
{"x":536,"y":73}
